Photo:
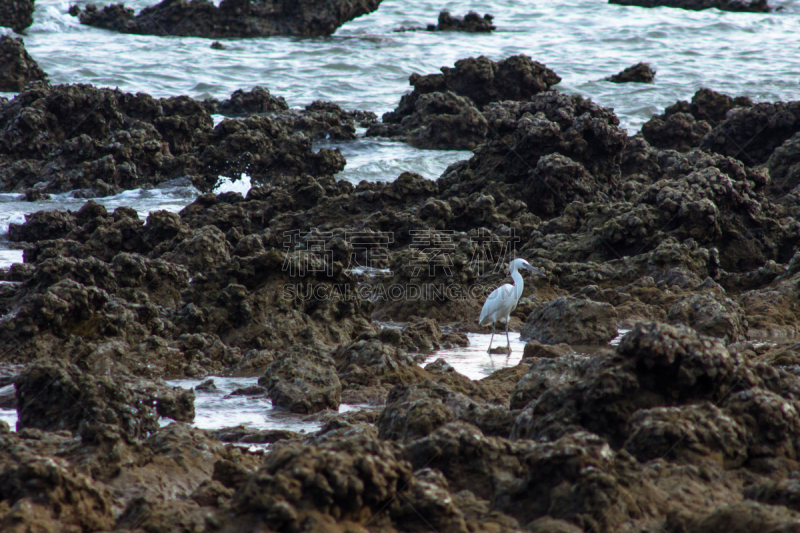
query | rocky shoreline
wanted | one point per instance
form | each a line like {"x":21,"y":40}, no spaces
{"x":231,"y":18}
{"x":685,"y":235}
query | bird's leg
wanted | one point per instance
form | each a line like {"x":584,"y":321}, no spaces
{"x":489,"y":351}
{"x":508,"y":342}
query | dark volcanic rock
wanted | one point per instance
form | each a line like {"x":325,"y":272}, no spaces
{"x":784,"y":167}
{"x":683,"y":125}
{"x":257,"y":100}
{"x":441,"y":120}
{"x":17,"y":14}
{"x":706,"y":198}
{"x":17,"y":68}
{"x":472,"y":22}
{"x":482,"y":81}
{"x":104,"y":141}
{"x":319,"y":120}
{"x":583,"y":142}
{"x":677,"y":131}
{"x":638,"y":73}
{"x":752,"y":134}
{"x":444,"y":110}
{"x":413,"y":411}
{"x":754,"y":6}
{"x":233,"y":18}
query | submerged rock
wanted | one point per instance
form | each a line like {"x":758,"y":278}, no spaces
{"x":638,"y":73}
{"x":17,"y":68}
{"x":232,"y":18}
{"x":471,"y":22}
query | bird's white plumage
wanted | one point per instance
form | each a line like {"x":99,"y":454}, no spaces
{"x":499,"y":304}
{"x":503,"y":300}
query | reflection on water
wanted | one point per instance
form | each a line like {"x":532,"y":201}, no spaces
{"x":475,"y":363}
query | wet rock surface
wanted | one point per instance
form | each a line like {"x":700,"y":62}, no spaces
{"x":752,"y":6}
{"x":231,"y":18}
{"x":104,"y":141}
{"x":17,"y":68}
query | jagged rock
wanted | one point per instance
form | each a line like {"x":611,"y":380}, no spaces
{"x":639,"y":73}
{"x":678,"y":131}
{"x":200,"y":252}
{"x":17,"y":14}
{"x":572,"y":321}
{"x":441,"y":120}
{"x":253,"y":436}
{"x":481,"y":80}
{"x":302,"y":380}
{"x":535,"y":349}
{"x":42,"y":225}
{"x":784,"y":167}
{"x":550,"y":134}
{"x":471,"y":22}
{"x":414,"y":411}
{"x":232,"y":18}
{"x":769,"y":419}
{"x":58,"y":136}
{"x":711,"y":314}
{"x":655,"y":365}
{"x":683,"y":125}
{"x":734,"y":518}
{"x":257,"y":100}
{"x":55,"y":395}
{"x":543,"y":375}
{"x":48,"y":494}
{"x":690,"y":432}
{"x":367,"y":474}
{"x":751,"y":134}
{"x":17,"y":68}
{"x":776,"y":492}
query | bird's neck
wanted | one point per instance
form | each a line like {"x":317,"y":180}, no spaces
{"x":519,"y":284}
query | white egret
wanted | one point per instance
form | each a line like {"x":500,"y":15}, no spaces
{"x":504,"y":299}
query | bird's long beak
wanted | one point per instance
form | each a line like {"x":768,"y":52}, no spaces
{"x":534,"y":270}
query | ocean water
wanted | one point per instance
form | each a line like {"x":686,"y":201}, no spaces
{"x":366,"y":65}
